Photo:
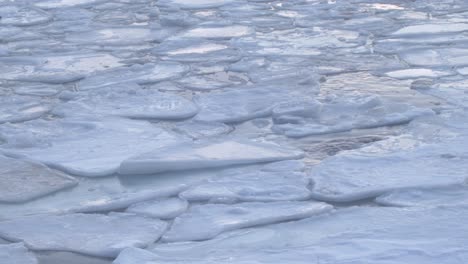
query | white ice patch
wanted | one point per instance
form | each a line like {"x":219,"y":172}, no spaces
{"x":196,"y":4}
{"x":87,"y":147}
{"x":350,"y":235}
{"x":206,"y":155}
{"x":127,"y":100}
{"x":433,"y":197}
{"x":90,"y":234}
{"x":14,"y":108}
{"x":279,"y":181}
{"x":65,"y":3}
{"x":163,"y":209}
{"x":124,"y":36}
{"x":367,"y":172}
{"x":226,"y":32}
{"x":417,"y":73}
{"x":140,"y":74}
{"x":338,"y":114}
{"x":22,"y":16}
{"x":16,"y":253}
{"x":203,"y":222}
{"x":436,"y":57}
{"x":425,"y":29}
{"x":56,"y":69}
{"x":21,"y":181}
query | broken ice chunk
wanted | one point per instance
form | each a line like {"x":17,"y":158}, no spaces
{"x":162,"y":209}
{"x":203,"y":222}
{"x":21,"y":181}
{"x":206,"y":155}
{"x":15,"y":15}
{"x":90,"y":234}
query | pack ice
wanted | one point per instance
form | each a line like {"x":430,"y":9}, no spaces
{"x":90,"y":234}
{"x":351,"y":235}
{"x":206,"y":154}
{"x":86,"y":147}
{"x":203,"y":222}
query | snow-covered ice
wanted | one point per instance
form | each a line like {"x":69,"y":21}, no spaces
{"x":203,"y":222}
{"x":205,"y":154}
{"x":90,"y":234}
{"x":21,"y":181}
{"x":163,"y":209}
{"x":16,"y":253}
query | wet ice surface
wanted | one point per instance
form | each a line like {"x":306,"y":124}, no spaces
{"x":136,"y":124}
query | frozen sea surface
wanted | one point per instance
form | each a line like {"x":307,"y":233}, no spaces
{"x":233,"y":131}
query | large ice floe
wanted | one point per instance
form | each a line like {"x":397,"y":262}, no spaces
{"x":86,"y":147}
{"x":203,"y":222}
{"x":350,"y":235}
{"x":91,"y":234}
{"x":200,"y":155}
{"x":16,"y":253}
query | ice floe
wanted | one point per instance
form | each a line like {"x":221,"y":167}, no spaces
{"x":22,"y":16}
{"x":162,"y":209}
{"x":332,"y":115}
{"x":21,"y":181}
{"x":351,"y":235}
{"x":367,"y":172}
{"x":16,"y":253}
{"x":14,"y":108}
{"x":86,"y":147}
{"x":203,"y":222}
{"x":278,"y":181}
{"x":204,"y":154}
{"x":90,"y":234}
{"x":127,"y":100}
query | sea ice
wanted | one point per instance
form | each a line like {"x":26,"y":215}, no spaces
{"x":425,"y":29}
{"x":238,"y":105}
{"x":351,"y":235}
{"x":338,"y":114}
{"x":22,"y":16}
{"x":433,"y":197}
{"x":364,"y":173}
{"x":127,"y":100}
{"x":436,"y":57}
{"x":417,"y":73}
{"x":226,"y":32}
{"x":21,"y":181}
{"x":16,"y":253}
{"x":123,"y":200}
{"x":86,"y":147}
{"x":200,"y":129}
{"x":15,"y":108}
{"x":203,"y":222}
{"x":205,"y":154}
{"x":162,"y":209}
{"x":90,"y":234}
{"x":198,"y":4}
{"x":140,"y":74}
{"x":278,"y":181}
